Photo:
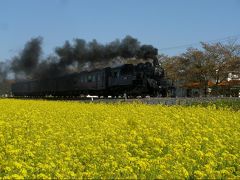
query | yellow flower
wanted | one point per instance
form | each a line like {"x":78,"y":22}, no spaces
{"x":72,"y":140}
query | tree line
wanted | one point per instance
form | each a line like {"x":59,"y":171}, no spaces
{"x":212,"y":63}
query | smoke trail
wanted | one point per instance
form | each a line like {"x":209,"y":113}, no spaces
{"x":24,"y":64}
{"x":77,"y":56}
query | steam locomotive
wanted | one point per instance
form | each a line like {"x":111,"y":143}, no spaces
{"x":132,"y":80}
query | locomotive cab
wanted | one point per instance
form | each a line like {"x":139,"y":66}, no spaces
{"x":161,"y":88}
{"x":149,"y":79}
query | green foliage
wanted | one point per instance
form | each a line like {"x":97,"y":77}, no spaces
{"x":220,"y":104}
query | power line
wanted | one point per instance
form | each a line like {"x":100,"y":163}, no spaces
{"x":194,"y":44}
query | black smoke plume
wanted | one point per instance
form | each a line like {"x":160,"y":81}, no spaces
{"x":4,"y":82}
{"x":3,"y":71}
{"x":25,"y":64}
{"x":78,"y":56}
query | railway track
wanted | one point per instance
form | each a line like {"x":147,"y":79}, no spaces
{"x":146,"y":100}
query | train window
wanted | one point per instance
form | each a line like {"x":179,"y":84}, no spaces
{"x":83,"y":79}
{"x":115,"y":74}
{"x":93,"y":78}
{"x":89,"y":78}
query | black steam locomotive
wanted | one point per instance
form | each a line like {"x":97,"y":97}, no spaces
{"x":132,"y":80}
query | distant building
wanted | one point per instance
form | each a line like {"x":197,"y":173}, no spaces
{"x":233,"y":76}
{"x":228,"y":88}
{"x":231,"y":86}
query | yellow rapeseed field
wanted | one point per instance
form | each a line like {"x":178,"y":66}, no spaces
{"x":50,"y":139}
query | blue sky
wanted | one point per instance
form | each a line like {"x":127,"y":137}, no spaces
{"x":162,"y":23}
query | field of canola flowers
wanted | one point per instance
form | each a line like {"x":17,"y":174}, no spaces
{"x":46,"y":139}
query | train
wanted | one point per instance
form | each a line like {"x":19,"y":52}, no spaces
{"x":132,"y":80}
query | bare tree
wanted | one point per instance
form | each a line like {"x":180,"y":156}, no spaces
{"x":223,"y":59}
